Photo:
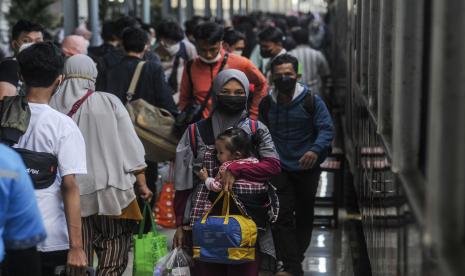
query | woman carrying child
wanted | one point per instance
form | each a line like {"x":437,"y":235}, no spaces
{"x":196,"y":152}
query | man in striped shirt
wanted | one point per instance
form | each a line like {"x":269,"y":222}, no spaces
{"x":314,"y":68}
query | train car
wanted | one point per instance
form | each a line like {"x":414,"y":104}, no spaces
{"x":400,"y":85}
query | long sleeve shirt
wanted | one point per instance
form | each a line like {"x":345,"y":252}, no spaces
{"x":203,"y":74}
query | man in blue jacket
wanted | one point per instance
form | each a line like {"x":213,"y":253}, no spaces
{"x":21,"y":226}
{"x":302,"y":130}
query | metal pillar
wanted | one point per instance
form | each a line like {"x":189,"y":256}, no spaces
{"x":190,"y":8}
{"x":208,"y":10}
{"x":231,"y":9}
{"x":70,"y":15}
{"x":94,"y":22}
{"x":241,"y":7}
{"x":166,"y":9}
{"x":253,"y":5}
{"x":146,"y":11}
{"x":219,"y":8}
{"x":181,"y":12}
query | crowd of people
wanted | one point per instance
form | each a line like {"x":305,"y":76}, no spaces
{"x":248,"y":103}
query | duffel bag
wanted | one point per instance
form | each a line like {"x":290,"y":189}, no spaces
{"x":226,"y":239}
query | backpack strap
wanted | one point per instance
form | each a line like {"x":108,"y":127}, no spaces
{"x":189,"y":77}
{"x":205,"y":129}
{"x":253,"y":124}
{"x":193,"y":138}
{"x":309,"y":102}
{"x":264,"y":109}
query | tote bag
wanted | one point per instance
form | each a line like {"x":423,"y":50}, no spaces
{"x":148,"y":248}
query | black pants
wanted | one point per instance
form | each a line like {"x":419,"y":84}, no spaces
{"x":24,"y":262}
{"x":51,"y":260}
{"x":293,"y":230}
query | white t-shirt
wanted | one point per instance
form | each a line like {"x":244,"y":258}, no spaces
{"x":53,"y":132}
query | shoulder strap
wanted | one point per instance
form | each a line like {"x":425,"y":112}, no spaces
{"x":210,"y":92}
{"x":253,"y":126}
{"x":189,"y":76}
{"x":206,"y":131}
{"x":265,"y":109}
{"x":309,"y":102}
{"x":134,"y":80}
{"x":193,"y":138}
{"x":79,"y":102}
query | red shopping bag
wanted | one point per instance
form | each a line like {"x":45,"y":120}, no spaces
{"x":164,"y":211}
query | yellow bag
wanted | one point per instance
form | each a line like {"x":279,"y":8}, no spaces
{"x":226,"y":239}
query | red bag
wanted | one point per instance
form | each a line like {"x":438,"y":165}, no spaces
{"x":164,"y":211}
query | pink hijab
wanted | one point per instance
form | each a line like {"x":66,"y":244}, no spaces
{"x":74,"y":44}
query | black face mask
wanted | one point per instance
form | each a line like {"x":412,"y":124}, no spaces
{"x":231,"y":104}
{"x":285,"y":84}
{"x":266,"y":53}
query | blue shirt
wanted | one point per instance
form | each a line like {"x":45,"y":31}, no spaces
{"x":21,"y":224}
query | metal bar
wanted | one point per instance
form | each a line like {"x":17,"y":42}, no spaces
{"x":190,"y":8}
{"x":219,"y":8}
{"x":181,"y":12}
{"x":231,"y":9}
{"x":166,"y":9}
{"x":446,"y":147}
{"x":146,"y":11}
{"x":94,"y":22}
{"x":208,"y":10}
{"x":70,"y":16}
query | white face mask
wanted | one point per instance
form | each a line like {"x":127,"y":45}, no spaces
{"x":238,"y":52}
{"x":211,"y":61}
{"x":173,"y":49}
{"x":24,"y":46}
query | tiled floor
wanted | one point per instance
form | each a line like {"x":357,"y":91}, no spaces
{"x":329,"y":252}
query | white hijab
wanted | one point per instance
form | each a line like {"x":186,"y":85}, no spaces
{"x":112,"y":147}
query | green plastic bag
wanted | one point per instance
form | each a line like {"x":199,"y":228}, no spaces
{"x":148,"y":248}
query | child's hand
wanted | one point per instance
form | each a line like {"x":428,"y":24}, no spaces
{"x":203,"y":174}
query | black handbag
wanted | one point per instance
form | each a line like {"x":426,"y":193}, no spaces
{"x":193,"y":112}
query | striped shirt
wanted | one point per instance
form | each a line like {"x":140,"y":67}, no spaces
{"x":313,"y":64}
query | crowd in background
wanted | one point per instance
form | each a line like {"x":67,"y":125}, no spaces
{"x":263,"y":76}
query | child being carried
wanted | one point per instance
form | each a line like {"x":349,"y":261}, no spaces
{"x":232,"y":146}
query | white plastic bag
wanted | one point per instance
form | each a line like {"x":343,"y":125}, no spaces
{"x":176,"y":263}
